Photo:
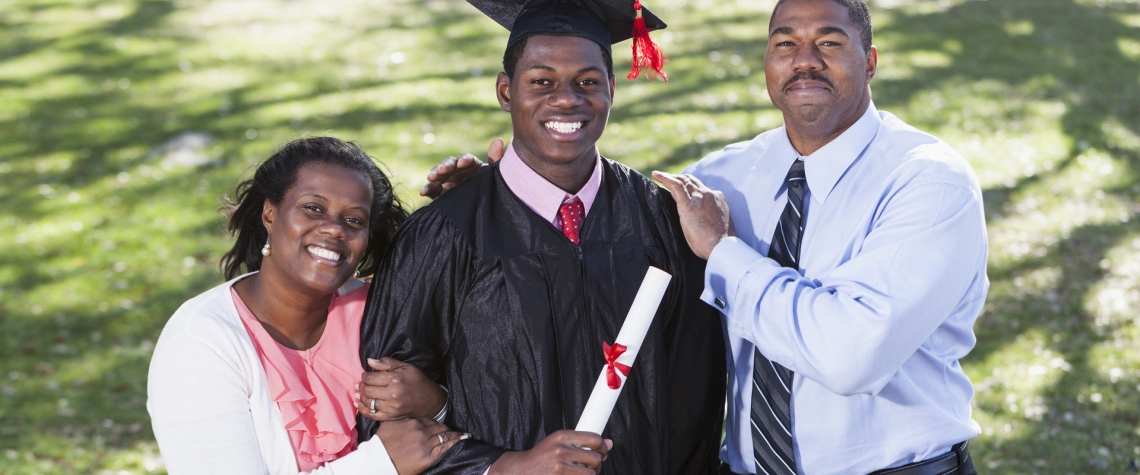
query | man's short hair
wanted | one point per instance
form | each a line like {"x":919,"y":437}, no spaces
{"x":515,"y":51}
{"x":857,"y":12}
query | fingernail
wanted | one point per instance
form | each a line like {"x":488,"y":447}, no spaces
{"x":370,"y":360}
{"x":465,"y":437}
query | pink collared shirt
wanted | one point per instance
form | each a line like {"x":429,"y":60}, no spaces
{"x":539,"y":194}
{"x":542,"y":196}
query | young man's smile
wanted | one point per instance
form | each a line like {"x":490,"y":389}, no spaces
{"x":559,"y":100}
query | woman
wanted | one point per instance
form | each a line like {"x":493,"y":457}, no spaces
{"x":257,"y":374}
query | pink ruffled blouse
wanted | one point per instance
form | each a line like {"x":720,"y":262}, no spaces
{"x":313,"y":388}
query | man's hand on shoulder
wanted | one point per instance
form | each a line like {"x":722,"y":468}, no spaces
{"x":455,"y":170}
{"x":563,"y":452}
{"x":704,"y":212}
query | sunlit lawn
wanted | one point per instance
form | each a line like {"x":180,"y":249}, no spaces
{"x":122,"y":122}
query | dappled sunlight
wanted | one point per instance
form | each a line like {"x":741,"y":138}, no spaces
{"x":140,"y":458}
{"x":1114,"y":301}
{"x":1037,"y":219}
{"x":1006,"y":132}
{"x":1041,"y":97}
{"x":125,"y":121}
{"x":1010,"y":382}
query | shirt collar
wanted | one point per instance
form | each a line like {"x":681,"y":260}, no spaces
{"x":539,"y":194}
{"x":824,"y":167}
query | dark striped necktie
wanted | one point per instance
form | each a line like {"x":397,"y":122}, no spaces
{"x":771,"y":382}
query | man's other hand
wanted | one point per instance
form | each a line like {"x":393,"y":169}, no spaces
{"x":704,"y":212}
{"x":563,"y":452}
{"x":455,"y":170}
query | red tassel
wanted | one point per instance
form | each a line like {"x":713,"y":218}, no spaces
{"x":646,"y":53}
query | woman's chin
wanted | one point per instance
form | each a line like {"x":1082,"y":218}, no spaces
{"x":328,"y":284}
{"x":322,"y":281}
{"x":309,"y":276}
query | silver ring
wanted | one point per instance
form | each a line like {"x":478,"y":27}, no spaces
{"x":440,"y":437}
{"x":373,"y":406}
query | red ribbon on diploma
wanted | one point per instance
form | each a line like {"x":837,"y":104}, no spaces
{"x":612,"y":353}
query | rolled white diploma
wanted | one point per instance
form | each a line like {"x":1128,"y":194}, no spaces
{"x":632,"y":334}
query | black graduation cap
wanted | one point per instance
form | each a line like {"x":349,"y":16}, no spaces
{"x":605,"y":22}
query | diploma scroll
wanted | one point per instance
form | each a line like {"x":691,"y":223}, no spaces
{"x":620,"y":356}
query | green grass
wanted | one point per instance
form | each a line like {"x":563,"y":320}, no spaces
{"x":104,"y":233}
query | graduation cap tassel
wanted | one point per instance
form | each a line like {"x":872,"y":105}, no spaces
{"x":646,"y":53}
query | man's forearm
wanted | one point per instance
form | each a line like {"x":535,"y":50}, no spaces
{"x":853,"y":327}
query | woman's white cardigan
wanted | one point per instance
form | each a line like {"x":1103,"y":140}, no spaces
{"x":209,"y":399}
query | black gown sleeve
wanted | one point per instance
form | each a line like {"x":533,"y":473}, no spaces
{"x":694,"y":346}
{"x":410,"y":316}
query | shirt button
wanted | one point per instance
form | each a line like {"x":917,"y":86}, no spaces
{"x":719,"y":302}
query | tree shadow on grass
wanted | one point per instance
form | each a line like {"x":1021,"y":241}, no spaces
{"x":1073,"y":434}
{"x":75,"y":379}
{"x":1073,"y":49}
{"x":93,"y":123}
{"x":81,"y":309}
{"x":1073,"y":46}
{"x":1076,"y":48}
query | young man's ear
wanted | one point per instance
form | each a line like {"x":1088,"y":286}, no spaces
{"x":613,"y":87}
{"x":503,"y":91}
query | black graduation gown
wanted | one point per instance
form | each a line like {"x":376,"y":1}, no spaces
{"x":491,"y":300}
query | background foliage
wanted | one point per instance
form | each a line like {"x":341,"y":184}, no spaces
{"x":122,"y":122}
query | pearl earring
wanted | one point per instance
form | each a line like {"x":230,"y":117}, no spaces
{"x":266,"y":251}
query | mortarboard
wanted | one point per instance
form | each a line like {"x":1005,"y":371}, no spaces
{"x":605,"y":22}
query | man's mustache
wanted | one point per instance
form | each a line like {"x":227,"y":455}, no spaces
{"x":811,"y":75}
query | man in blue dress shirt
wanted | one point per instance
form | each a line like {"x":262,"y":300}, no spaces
{"x":849,"y":272}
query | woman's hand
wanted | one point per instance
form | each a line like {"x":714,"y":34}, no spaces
{"x":415,"y":444}
{"x":397,"y":390}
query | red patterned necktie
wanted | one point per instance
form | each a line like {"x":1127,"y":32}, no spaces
{"x":572,"y":213}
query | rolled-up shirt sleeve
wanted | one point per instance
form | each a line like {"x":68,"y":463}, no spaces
{"x":851,"y":329}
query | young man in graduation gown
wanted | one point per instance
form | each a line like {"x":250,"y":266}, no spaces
{"x":505,"y":289}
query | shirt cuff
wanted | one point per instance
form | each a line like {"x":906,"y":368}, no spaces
{"x":736,"y":279}
{"x":442,"y":415}
{"x":729,"y":261}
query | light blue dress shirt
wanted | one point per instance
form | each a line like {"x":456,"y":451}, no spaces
{"x":892,"y":278}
